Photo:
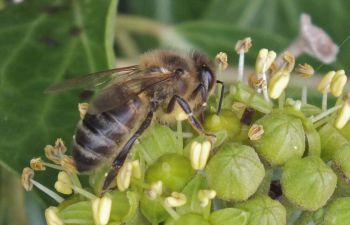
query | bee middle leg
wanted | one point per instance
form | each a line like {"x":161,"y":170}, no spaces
{"x":190,"y":117}
{"x":120,"y":159}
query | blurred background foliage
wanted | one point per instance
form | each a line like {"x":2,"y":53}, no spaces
{"x":44,"y":41}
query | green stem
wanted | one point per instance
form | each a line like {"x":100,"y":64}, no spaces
{"x":84,"y":193}
{"x":281,"y":100}
{"x":324,"y":101}
{"x":179,"y":134}
{"x":325,"y":113}
{"x":304,"y":95}
{"x":47,"y":191}
{"x":53,"y":166}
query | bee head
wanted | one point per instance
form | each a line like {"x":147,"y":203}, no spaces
{"x":205,"y":69}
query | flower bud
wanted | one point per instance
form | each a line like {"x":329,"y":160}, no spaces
{"x":176,"y":199}
{"x":124,"y":176}
{"x":52,"y":217}
{"x":305,"y":70}
{"x":199,"y":154}
{"x":308,"y":182}
{"x":264,"y":211}
{"x":325,"y":83}
{"x":264,"y":60}
{"x":172,"y":169}
{"x":244,"y":44}
{"x":283,"y":139}
{"x":37,"y":164}
{"x":255,"y":132}
{"x":63,"y":183}
{"x":27,"y":175}
{"x":221,"y":60}
{"x":331,"y":141}
{"x":83,"y":107}
{"x":101,"y":210}
{"x":338,"y":83}
{"x":338,"y":212}
{"x":227,"y":121}
{"x":341,"y":159}
{"x":235,"y":172}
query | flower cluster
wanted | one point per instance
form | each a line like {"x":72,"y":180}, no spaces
{"x":274,"y":160}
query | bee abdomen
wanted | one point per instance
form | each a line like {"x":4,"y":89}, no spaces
{"x":99,"y":136}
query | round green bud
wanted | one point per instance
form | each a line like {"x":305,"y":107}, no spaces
{"x":264,"y":211}
{"x":172,"y":169}
{"x":123,"y":212}
{"x":235,"y":172}
{"x":188,"y":219}
{"x":341,"y":159}
{"x":308,"y":182}
{"x":331,"y":141}
{"x":283,"y":138}
{"x":227,"y":121}
{"x":153,"y":210}
{"x":338,"y":212}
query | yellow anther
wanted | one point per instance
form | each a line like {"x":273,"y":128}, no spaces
{"x":124,"y":176}
{"x":221,"y":60}
{"x":63,"y":183}
{"x":305,"y":70}
{"x":199,"y":154}
{"x":26,"y":179}
{"x":338,"y":83}
{"x":52,"y":217}
{"x":325,"y":83}
{"x":101,"y":209}
{"x":176,"y":199}
{"x":255,"y":132}
{"x":243,"y":45}
{"x":37,"y":164}
{"x":83,"y":107}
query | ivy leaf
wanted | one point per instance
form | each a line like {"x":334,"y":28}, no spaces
{"x":43,"y":42}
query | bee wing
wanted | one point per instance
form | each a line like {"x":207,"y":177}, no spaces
{"x":121,"y":92}
{"x":95,"y":79}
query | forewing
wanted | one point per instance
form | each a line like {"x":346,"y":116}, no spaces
{"x":120,"y":92}
{"x":94,"y":80}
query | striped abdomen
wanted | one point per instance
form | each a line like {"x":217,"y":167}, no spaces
{"x":99,"y":137}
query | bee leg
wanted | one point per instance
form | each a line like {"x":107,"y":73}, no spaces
{"x":221,"y":96}
{"x":187,"y":109}
{"x":120,"y":159}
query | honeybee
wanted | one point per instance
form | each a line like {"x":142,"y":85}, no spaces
{"x":166,"y":85}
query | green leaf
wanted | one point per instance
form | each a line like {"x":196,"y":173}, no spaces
{"x":229,"y":216}
{"x":264,"y":211}
{"x":44,"y":42}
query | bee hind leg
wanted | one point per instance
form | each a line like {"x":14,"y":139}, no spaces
{"x":120,"y":159}
{"x":190,"y":117}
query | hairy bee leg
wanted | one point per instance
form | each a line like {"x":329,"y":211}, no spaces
{"x":120,"y":159}
{"x":221,"y":96}
{"x":187,"y":109}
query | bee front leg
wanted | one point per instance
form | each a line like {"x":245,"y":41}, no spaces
{"x":190,"y":117}
{"x":120,"y":159}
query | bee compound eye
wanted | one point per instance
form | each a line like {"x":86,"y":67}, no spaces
{"x":179,"y":72}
